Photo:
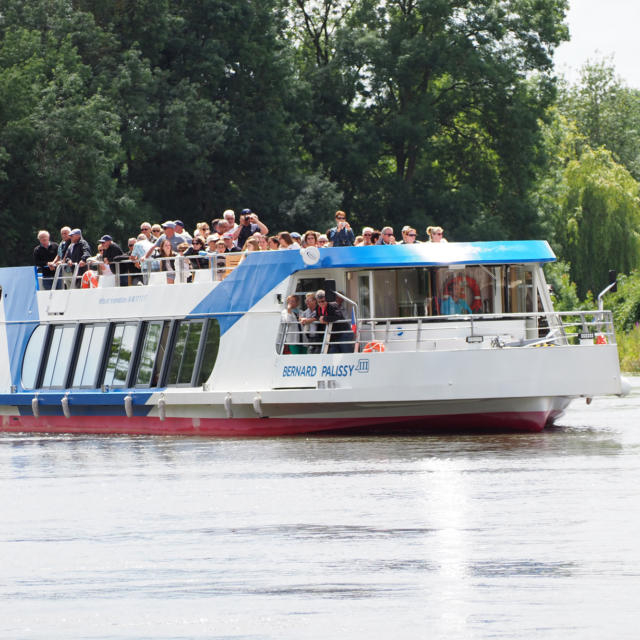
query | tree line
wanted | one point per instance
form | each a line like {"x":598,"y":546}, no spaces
{"x":404,"y":112}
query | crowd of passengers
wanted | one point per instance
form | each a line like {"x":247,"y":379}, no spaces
{"x":166,"y":246}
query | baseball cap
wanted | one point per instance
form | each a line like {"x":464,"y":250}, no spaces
{"x":178,"y":223}
{"x":75,"y":232}
{"x":169,"y":223}
{"x":105,"y":238}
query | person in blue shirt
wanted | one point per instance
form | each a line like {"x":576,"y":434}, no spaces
{"x":342,"y":234}
{"x":456,"y":302}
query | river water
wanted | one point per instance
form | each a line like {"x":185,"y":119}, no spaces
{"x":488,"y":536}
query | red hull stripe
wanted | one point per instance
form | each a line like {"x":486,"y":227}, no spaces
{"x":138,"y":425}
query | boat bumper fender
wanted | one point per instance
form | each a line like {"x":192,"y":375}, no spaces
{"x":227,"y":406}
{"x":128,"y":405}
{"x":257,"y":405}
{"x":65,"y":405}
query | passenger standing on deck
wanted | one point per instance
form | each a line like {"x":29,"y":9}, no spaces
{"x":342,"y":234}
{"x":342,"y":339}
{"x":44,"y":257}
{"x":181,"y":231}
{"x":386,"y":236}
{"x":249,"y":224}
{"x":78,"y":252}
{"x":309,"y":322}
{"x":169,"y":234}
{"x":164,"y":253}
{"x":292,"y":329}
{"x":436,"y":234}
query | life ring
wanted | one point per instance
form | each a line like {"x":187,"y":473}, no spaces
{"x":476,"y":302}
{"x":374,"y":345}
{"x":89,"y":280}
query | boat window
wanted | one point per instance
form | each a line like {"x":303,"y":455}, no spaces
{"x":152,"y":353}
{"x":89,"y":355}
{"x":470,"y":289}
{"x":185,"y":352}
{"x":32,"y":356}
{"x":521,"y":295}
{"x":59,"y":356}
{"x":210,"y":353}
{"x":120,"y":352}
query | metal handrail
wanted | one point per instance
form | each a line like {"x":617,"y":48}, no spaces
{"x":183,"y":266}
{"x":563,"y":328}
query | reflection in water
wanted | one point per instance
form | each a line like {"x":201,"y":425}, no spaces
{"x":520,"y":536}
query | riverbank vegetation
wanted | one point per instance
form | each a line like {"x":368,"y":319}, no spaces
{"x":400,"y":112}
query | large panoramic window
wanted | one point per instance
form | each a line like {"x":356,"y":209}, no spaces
{"x":185,"y":352}
{"x":152,"y":353}
{"x":120,"y":354}
{"x":32,"y":355}
{"x":210,"y":352}
{"x":89,"y":355}
{"x":59,"y":356}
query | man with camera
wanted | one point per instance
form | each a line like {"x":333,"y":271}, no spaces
{"x":249,"y":224}
{"x":341,"y":235}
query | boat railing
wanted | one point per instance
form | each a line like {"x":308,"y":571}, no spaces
{"x":207,"y":268}
{"x":452,"y":332}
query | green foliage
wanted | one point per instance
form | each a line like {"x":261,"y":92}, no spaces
{"x":606,"y":112}
{"x":564,"y":293}
{"x":399,"y":112}
{"x":629,"y":350}
{"x":598,"y":219}
{"x":626,"y":302}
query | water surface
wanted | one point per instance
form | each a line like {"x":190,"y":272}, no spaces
{"x":488,"y":536}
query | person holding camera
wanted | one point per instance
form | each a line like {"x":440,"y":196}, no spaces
{"x":341,"y":235}
{"x":249,"y":224}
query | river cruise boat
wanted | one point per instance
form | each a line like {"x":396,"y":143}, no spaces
{"x":438,"y":336}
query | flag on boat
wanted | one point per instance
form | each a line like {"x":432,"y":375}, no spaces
{"x":354,"y":328}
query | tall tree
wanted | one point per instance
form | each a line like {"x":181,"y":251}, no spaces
{"x":606,"y":111}
{"x":433,"y":105}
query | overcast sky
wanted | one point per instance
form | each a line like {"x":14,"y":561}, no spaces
{"x":600,"y":28}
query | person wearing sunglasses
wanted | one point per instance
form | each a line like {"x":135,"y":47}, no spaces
{"x":193,"y":253}
{"x":409,"y":235}
{"x":386,"y":236}
{"x":341,"y":235}
{"x":436,"y":234}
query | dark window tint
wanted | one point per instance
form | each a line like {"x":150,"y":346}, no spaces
{"x":89,"y":355}
{"x":185,"y":352}
{"x":210,"y":351}
{"x":32,"y":354}
{"x":152,"y":353}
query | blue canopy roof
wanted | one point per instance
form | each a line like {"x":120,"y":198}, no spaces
{"x":438,"y":253}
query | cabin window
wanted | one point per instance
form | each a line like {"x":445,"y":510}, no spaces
{"x":59,"y":356}
{"x":32,"y":354}
{"x":120,"y":352}
{"x":152,"y":354}
{"x":521,"y":295}
{"x":185,"y":352}
{"x":89,"y":358}
{"x":210,"y":353}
